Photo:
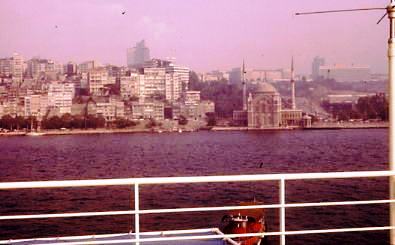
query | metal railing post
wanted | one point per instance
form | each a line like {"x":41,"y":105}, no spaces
{"x":136,"y":216}
{"x":391,"y":89}
{"x":282,"y":211}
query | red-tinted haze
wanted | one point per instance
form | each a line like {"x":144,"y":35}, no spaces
{"x":202,"y":34}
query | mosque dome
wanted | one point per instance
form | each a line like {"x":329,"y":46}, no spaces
{"x":265,"y":87}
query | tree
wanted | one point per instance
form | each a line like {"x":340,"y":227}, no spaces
{"x":182,"y":120}
{"x":54,"y":122}
{"x":124,"y":123}
{"x":211,"y":120}
{"x":151,"y":123}
{"x":8,"y":122}
{"x":67,"y":120}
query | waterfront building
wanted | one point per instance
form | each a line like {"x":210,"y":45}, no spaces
{"x":154,"y":83}
{"x":97,"y":78}
{"x":342,"y":73}
{"x":173,"y":87}
{"x":110,"y":108}
{"x":129,"y":86}
{"x":192,"y":97}
{"x":182,"y":75}
{"x":137,"y":55}
{"x":291,"y":117}
{"x":172,"y":78}
{"x":148,"y":109}
{"x":264,"y":107}
{"x":36,"y":105}
{"x":60,"y":96}
{"x":315,"y":67}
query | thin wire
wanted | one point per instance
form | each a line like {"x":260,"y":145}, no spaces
{"x":338,"y":11}
{"x":378,"y":22}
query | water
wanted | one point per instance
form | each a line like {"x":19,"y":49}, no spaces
{"x":188,"y":154}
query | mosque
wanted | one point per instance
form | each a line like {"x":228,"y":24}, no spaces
{"x":262,"y":109}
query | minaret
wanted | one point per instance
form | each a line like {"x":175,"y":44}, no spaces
{"x":293,"y":84}
{"x":244,"y":88}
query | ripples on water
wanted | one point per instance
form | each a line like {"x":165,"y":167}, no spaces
{"x":188,"y":154}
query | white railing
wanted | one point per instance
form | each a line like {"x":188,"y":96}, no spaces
{"x":137,"y":182}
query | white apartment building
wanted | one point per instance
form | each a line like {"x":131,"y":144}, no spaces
{"x":146,"y":110}
{"x":17,"y":68}
{"x":97,"y":78}
{"x":111,"y":109}
{"x":173,"y":87}
{"x":60,"y":96}
{"x":129,"y":86}
{"x":192,"y":97}
{"x":182,"y":72}
{"x":36,"y":105}
{"x":154,"y":82}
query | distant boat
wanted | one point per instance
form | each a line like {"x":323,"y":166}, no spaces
{"x":35,"y":134}
{"x":180,"y":130}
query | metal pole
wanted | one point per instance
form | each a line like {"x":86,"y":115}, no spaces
{"x":136,"y":216}
{"x":282,"y":211}
{"x":391,"y":86}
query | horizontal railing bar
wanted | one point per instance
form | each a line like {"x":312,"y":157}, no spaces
{"x":66,"y":215}
{"x":149,"y":233}
{"x":199,"y":209}
{"x":192,"y":179}
{"x":206,"y":237}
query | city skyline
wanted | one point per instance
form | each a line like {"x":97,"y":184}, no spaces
{"x":198,"y":35}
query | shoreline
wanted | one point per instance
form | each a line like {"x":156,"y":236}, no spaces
{"x":215,"y":129}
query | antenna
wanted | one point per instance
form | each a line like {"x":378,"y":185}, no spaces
{"x":391,"y":81}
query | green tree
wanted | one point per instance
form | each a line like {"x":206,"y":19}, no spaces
{"x":211,"y":120}
{"x":67,"y":120}
{"x":123,"y":123}
{"x":182,"y":120}
{"x":8,"y":122}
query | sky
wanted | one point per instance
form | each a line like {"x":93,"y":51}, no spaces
{"x":204,"y":35}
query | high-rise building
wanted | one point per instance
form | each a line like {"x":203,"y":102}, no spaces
{"x":155,"y":82}
{"x":129,"y":86}
{"x":137,"y":55}
{"x":97,"y":78}
{"x":17,"y":68}
{"x":5,"y":67}
{"x":162,"y":78}
{"x":180,"y":80}
{"x":315,"y":67}
{"x":60,"y":96}
{"x":36,"y":105}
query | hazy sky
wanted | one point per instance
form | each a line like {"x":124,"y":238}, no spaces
{"x":202,"y":34}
